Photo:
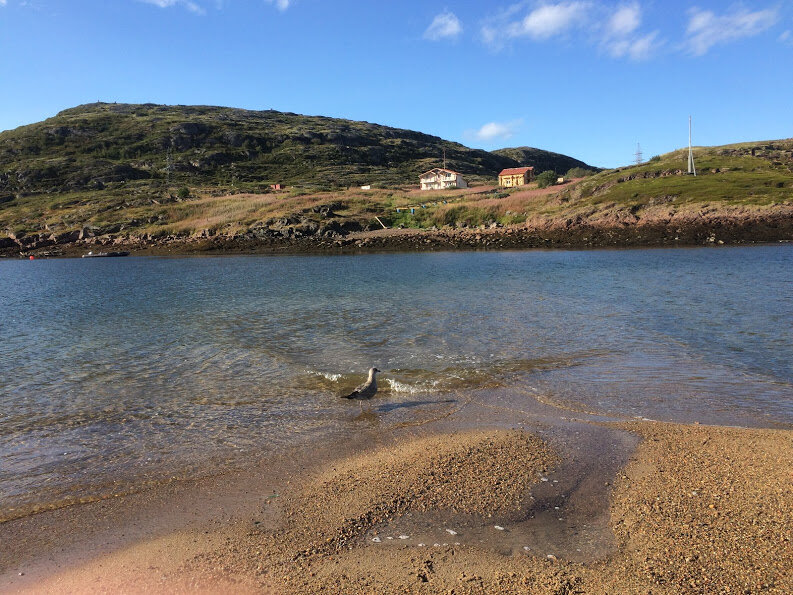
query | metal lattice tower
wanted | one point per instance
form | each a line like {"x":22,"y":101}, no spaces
{"x":639,"y":155}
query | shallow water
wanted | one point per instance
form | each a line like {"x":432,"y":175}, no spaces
{"x":121,"y":371}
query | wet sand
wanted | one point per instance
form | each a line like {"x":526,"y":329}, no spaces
{"x":504,"y":495}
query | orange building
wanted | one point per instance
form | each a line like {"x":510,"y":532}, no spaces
{"x":516,"y":176}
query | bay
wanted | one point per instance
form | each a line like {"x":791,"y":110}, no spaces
{"x":118,"y":372}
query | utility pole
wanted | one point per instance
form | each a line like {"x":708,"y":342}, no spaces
{"x":691,"y":169}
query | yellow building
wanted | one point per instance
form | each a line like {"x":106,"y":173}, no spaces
{"x":516,"y":176}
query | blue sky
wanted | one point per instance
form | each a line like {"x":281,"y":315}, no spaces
{"x":587,"y":78}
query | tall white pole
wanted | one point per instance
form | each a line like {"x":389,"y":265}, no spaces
{"x":691,"y":168}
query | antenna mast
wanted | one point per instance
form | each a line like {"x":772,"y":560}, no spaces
{"x":639,"y":156}
{"x":691,"y":169}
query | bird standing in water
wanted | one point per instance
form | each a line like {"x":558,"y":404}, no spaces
{"x":367,"y":390}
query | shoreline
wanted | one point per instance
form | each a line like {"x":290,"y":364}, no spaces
{"x":568,"y":234}
{"x":643,"y":506}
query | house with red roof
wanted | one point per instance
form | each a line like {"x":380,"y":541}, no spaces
{"x":515,"y":176}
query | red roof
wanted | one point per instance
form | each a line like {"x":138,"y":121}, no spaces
{"x":516,"y":171}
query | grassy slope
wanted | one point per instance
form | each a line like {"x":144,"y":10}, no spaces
{"x":741,"y":181}
{"x":734,"y":180}
{"x":104,"y":164}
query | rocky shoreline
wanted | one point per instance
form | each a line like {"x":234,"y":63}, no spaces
{"x":576,"y":233}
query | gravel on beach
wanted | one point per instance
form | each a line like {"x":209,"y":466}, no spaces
{"x":698,"y":509}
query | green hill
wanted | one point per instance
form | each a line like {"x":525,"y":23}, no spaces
{"x":142,"y":174}
{"x":542,"y":160}
{"x":746,"y":174}
{"x":144,"y":149}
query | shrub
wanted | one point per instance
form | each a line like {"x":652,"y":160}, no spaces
{"x":183,"y":192}
{"x":578,"y":172}
{"x":547,"y":178}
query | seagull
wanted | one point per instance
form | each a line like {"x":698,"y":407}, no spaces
{"x":367,"y":390}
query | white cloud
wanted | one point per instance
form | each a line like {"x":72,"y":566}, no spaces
{"x":493,"y":131}
{"x":786,"y":37}
{"x":636,"y":49}
{"x":626,"y":20}
{"x":188,"y":4}
{"x":706,"y":29}
{"x":615,"y":30}
{"x":620,"y":37}
{"x":550,"y":20}
{"x":281,"y":5}
{"x":444,"y":25}
{"x":2,"y":2}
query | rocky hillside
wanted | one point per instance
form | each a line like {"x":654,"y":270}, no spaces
{"x":149,"y":150}
{"x":142,"y":176}
{"x":542,"y":160}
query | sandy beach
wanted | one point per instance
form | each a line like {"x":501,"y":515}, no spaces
{"x":495,"y":500}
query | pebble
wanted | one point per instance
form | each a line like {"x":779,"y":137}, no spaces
{"x":404,"y":537}
{"x":376,"y":539}
{"x":499,"y":527}
{"x":451,"y":532}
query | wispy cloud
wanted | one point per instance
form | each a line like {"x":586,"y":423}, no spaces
{"x":493,"y":131}
{"x":3,"y":2}
{"x":620,"y":37}
{"x":615,"y":30}
{"x":625,"y":20}
{"x":281,"y":5}
{"x":188,"y":4}
{"x":444,"y":26}
{"x":637,"y":49}
{"x":786,"y":37}
{"x":550,"y":20}
{"x":706,"y":29}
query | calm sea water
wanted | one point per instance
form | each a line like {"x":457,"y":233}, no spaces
{"x":115,"y":372}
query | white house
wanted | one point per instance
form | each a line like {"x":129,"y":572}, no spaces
{"x":440,"y":179}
